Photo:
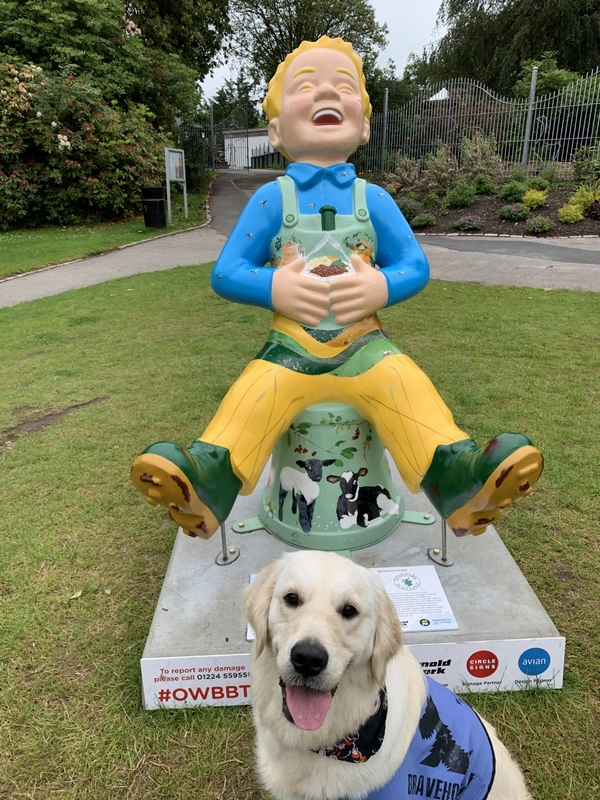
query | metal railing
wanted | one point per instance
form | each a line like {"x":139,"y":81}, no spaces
{"x":560,"y":123}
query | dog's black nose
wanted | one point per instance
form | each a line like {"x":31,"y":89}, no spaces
{"x":308,"y":658}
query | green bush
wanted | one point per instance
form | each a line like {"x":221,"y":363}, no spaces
{"x":516,"y":212}
{"x":65,"y":155}
{"x":423,"y":221}
{"x":584,"y":197}
{"x":550,"y":174}
{"x":518,"y":175}
{"x":441,"y":169}
{"x":534,"y":198}
{"x":513,"y":191}
{"x":462,"y":196}
{"x":479,"y":155}
{"x":431,"y":199}
{"x":586,"y":165}
{"x":468,"y":223}
{"x":484,"y":184}
{"x":570,"y":213}
{"x":539,"y":183}
{"x":410,"y":208}
{"x":538,"y":225}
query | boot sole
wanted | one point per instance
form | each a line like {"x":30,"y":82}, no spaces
{"x":514,"y":477}
{"x":163,"y":483}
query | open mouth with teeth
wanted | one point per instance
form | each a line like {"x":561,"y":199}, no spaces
{"x":327,"y":116}
{"x":306,"y":708}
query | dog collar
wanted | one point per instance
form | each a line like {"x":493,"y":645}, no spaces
{"x":355,"y":748}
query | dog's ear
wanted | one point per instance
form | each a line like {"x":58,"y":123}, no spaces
{"x":257,"y":599}
{"x":388,"y":634}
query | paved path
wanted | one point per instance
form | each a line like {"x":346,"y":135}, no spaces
{"x":544,"y":263}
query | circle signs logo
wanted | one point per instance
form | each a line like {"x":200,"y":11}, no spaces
{"x":482,"y":664}
{"x":408,"y":581}
{"x":534,"y":661}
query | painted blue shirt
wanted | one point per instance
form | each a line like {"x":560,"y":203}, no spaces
{"x":450,"y":756}
{"x":240,"y":274}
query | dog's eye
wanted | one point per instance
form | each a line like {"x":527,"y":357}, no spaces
{"x":349,"y":611}
{"x":291,"y":599}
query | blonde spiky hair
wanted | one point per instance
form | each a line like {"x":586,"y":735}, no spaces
{"x":272,"y":101}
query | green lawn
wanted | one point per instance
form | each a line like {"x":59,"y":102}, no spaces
{"x":90,"y":377}
{"x":28,"y":249}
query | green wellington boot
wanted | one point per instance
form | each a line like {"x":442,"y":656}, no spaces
{"x":198,"y":486}
{"x":469,"y":485}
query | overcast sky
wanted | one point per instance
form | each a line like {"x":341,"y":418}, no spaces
{"x":411,"y":27}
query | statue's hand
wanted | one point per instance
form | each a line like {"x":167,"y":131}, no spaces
{"x":299,"y":297}
{"x":354,"y":297}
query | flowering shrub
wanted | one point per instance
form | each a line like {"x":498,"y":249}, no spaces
{"x":409,"y":208}
{"x":514,"y":213}
{"x":538,"y":225}
{"x":65,"y":155}
{"x":479,"y":155}
{"x":468,"y":223}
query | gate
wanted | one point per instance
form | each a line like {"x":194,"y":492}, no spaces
{"x":231,"y":145}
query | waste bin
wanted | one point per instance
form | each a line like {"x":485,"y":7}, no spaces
{"x":153,"y":199}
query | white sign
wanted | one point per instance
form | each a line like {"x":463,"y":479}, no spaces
{"x":176,"y":164}
{"x":184,"y":681}
{"x":480,"y":666}
{"x":175,"y":171}
{"x":494,"y":666}
{"x":419,"y":598}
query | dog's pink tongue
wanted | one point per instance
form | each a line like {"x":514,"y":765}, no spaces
{"x":307,"y":706}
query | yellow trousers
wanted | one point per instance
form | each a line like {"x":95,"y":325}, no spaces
{"x":394,"y":396}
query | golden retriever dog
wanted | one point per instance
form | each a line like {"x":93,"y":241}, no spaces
{"x":343,"y":711}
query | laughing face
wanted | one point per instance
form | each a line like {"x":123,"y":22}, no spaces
{"x":321,"y":120}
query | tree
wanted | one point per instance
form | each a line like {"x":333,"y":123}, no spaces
{"x":378,"y":79}
{"x":489,"y":39}
{"x":237,"y":95}
{"x":96,"y":40}
{"x":549,"y":79}
{"x":264,"y":33}
{"x":192,"y":29}
{"x":66,"y":155}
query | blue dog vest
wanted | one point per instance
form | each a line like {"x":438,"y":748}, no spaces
{"x":450,"y":756}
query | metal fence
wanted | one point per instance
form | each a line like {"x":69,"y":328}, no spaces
{"x":535,"y":132}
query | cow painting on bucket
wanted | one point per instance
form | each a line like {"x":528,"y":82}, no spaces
{"x":361,"y":505}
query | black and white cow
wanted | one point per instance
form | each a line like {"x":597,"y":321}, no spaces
{"x":304,"y":487}
{"x":361,"y":505}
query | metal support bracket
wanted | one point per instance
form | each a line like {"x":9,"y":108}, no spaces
{"x":228,"y":554}
{"x":417,"y":518}
{"x":248,"y":525}
{"x":438,"y":556}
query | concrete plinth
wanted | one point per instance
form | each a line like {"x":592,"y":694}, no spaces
{"x":197,"y":651}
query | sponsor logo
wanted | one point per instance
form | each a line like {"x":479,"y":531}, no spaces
{"x":407,"y":581}
{"x":435,"y":667}
{"x":534,"y":661}
{"x":482,"y":664}
{"x":425,"y":623}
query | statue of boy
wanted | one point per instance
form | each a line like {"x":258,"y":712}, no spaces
{"x":326,"y":342}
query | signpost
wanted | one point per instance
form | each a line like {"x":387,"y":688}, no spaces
{"x":175,"y":169}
